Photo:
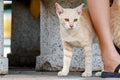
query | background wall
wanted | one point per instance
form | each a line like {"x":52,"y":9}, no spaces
{"x":25,"y":38}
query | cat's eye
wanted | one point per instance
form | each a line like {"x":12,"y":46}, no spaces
{"x":75,"y":20}
{"x":66,"y":19}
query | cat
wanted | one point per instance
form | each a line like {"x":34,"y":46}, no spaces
{"x":77,"y":30}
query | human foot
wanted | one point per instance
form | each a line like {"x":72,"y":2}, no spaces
{"x":111,"y":62}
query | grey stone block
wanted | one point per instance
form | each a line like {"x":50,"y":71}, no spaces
{"x":54,"y":62}
{"x":3,"y":61}
{"x":50,"y":42}
{"x":1,"y":28}
{"x":3,"y":65}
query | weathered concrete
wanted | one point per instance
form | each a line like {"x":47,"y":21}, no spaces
{"x":1,"y":29}
{"x":32,"y":75}
{"x":51,"y":57}
{"x":3,"y":65}
{"x":3,"y":61}
{"x":25,"y":37}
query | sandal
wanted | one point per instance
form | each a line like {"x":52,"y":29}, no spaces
{"x":115,"y":74}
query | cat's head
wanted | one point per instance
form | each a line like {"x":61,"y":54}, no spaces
{"x":69,"y":18}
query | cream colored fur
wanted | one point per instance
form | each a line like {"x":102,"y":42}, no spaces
{"x":115,"y":22}
{"x":80,"y":33}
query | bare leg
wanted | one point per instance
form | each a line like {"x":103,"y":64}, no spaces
{"x":100,"y":14}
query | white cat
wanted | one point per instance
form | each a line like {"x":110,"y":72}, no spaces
{"x":76,"y":30}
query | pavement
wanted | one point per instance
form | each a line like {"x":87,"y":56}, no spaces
{"x":33,"y":75}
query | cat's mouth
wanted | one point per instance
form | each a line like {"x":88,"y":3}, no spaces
{"x":70,"y":28}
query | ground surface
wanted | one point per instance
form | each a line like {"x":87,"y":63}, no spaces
{"x":32,"y":75}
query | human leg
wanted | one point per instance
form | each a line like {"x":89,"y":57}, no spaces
{"x":100,"y":14}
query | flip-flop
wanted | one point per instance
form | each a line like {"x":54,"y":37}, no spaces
{"x":118,"y":49}
{"x":115,"y":74}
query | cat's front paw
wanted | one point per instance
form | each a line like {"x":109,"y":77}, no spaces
{"x":86,"y":74}
{"x":63,"y":73}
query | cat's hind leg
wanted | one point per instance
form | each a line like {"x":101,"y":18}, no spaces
{"x":67,"y":49}
{"x":98,"y":74}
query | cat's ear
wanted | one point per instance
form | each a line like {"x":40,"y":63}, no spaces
{"x":79,"y":8}
{"x":59,"y":9}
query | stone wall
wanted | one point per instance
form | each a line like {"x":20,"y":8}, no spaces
{"x":25,"y":40}
{"x":1,"y":28}
{"x":51,"y":57}
{"x":3,"y":60}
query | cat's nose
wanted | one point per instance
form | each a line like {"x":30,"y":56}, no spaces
{"x":71,"y":26}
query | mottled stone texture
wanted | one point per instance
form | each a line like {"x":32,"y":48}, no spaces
{"x":51,"y":58}
{"x":3,"y":61}
{"x":25,"y":41}
{"x":3,"y":65}
{"x":1,"y":28}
